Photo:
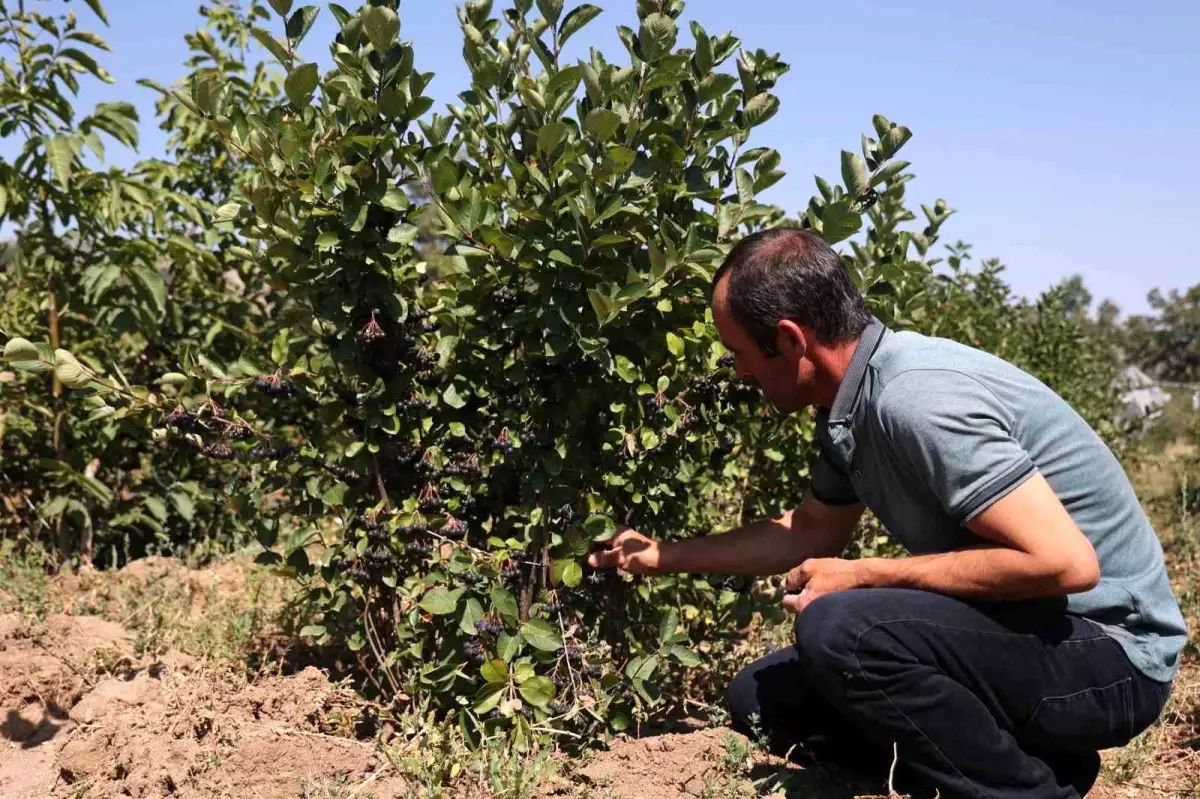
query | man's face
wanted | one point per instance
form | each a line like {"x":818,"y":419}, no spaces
{"x":786,"y":377}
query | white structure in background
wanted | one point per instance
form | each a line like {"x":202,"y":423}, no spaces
{"x":1141,"y":397}
{"x":1196,"y":402}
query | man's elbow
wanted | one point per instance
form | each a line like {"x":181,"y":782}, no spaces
{"x":1081,"y":573}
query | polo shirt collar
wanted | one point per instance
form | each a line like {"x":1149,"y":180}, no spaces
{"x":846,"y":399}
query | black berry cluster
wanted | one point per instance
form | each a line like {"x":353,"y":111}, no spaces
{"x":430,"y":503}
{"x":655,"y":406}
{"x":475,"y":651}
{"x":454,"y":529}
{"x":371,"y":331}
{"x":869,"y":198}
{"x":180,"y":419}
{"x":377,"y":557}
{"x":533,"y":436}
{"x":422,"y":547}
{"x":510,"y":573}
{"x":503,"y":444}
{"x":462,"y":466}
{"x":486,"y":627}
{"x":558,"y":707}
{"x":270,"y":452}
{"x":506,"y":299}
{"x":273,"y":386}
{"x":726,"y":361}
{"x":425,"y":361}
{"x":416,"y":528}
{"x":220,"y":452}
{"x":376,"y":531}
{"x":414,"y":404}
{"x":240,"y":432}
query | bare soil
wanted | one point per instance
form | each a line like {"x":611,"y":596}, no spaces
{"x":84,"y":718}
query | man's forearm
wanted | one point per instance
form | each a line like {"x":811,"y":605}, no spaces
{"x":983,"y":572}
{"x":762,"y":548}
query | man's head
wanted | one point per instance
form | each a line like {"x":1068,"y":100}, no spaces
{"x":785,"y":305}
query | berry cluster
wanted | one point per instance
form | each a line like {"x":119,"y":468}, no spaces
{"x":726,"y":361}
{"x":273,"y":386}
{"x":416,"y":528}
{"x":180,"y":419}
{"x":376,"y":531}
{"x":414,"y":404}
{"x":270,"y":452}
{"x":503,"y":444}
{"x":531,"y":435}
{"x":220,"y":452}
{"x":475,"y":651}
{"x":486,"y":627}
{"x":240,"y":432}
{"x":454,"y":529}
{"x":378,"y":557}
{"x":510,"y":573}
{"x":558,"y":707}
{"x":655,"y":405}
{"x":371,"y":331}
{"x":506,"y":299}
{"x":422,"y":547}
{"x":462,"y":466}
{"x":425,"y":361}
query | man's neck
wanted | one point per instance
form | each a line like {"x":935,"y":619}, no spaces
{"x":832,"y":362}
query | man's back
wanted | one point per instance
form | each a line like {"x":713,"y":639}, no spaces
{"x":935,"y":431}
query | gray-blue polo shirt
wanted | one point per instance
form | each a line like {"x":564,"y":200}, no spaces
{"x":928,"y":433}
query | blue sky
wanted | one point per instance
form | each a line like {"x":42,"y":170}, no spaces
{"x":1066,"y":133}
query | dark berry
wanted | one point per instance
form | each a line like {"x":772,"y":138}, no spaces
{"x":273,"y":386}
{"x":371,"y":332}
{"x":180,"y":419}
{"x":241,"y":432}
{"x":430,"y":504}
{"x":726,"y":361}
{"x":505,"y":299}
{"x":220,"y":452}
{"x":869,"y":198}
{"x":454,"y":529}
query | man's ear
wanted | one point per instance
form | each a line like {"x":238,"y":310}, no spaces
{"x":790,"y":339}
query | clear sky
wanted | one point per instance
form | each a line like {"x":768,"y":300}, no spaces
{"x":1066,"y":132}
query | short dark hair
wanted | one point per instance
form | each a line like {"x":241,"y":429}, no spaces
{"x":789,"y":273}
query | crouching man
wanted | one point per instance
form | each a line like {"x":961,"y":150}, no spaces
{"x":1034,"y":623}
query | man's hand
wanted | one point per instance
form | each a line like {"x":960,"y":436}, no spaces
{"x":628,"y":551}
{"x":817,"y":577}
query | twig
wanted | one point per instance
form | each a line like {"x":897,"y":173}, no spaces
{"x":892,"y":770}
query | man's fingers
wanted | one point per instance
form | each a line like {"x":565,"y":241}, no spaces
{"x":793,"y":603}
{"x":798,"y":577}
{"x":604,"y":559}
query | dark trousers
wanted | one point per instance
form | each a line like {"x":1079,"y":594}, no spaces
{"x":979,"y":700}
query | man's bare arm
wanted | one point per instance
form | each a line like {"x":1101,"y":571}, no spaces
{"x":769,"y":546}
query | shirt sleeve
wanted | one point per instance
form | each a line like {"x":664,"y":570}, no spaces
{"x":830,"y":485}
{"x":955,"y":436}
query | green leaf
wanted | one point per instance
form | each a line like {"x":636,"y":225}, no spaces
{"x":839,"y":222}
{"x":550,"y":9}
{"x":504,"y":602}
{"x":550,"y":135}
{"x":625,"y":369}
{"x":440,"y":601}
{"x":601,"y":123}
{"x":657,"y":36}
{"x":894,"y":139}
{"x":760,"y":108}
{"x":157,"y":508}
{"x":854,"y":173}
{"x":69,"y":371}
{"x":98,"y":10}
{"x":675,"y":345}
{"x":452,"y":397}
{"x":576,"y":19}
{"x":541,"y":635}
{"x":600,"y":527}
{"x":18,"y":349}
{"x":282,"y":7}
{"x":395,"y":200}
{"x":489,"y":697}
{"x":226,"y":213}
{"x":382,"y":26}
{"x":61,"y":156}
{"x":154,"y":285}
{"x":472,"y":612}
{"x":641,"y":668}
{"x":667,"y":625}
{"x":537,"y":691}
{"x":300,"y":22}
{"x":686,"y":656}
{"x":507,"y":646}
{"x":271,"y":43}
{"x":312,"y":631}
{"x":888,"y":171}
{"x":572,"y":574}
{"x":184,"y":505}
{"x":335,"y":495}
{"x":494,"y":671}
{"x":300,"y":84}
